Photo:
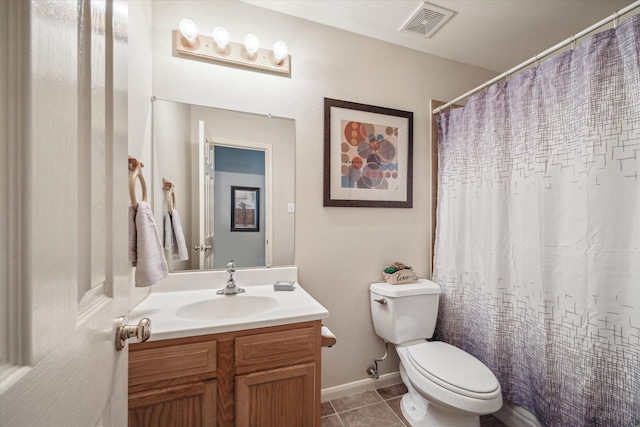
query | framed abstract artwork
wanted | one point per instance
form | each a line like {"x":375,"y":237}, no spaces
{"x":245,"y":208}
{"x":368,"y":156}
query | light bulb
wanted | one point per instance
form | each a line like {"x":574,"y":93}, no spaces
{"x":280,"y":52}
{"x":189,"y":31}
{"x":251,"y":44}
{"x":221,"y":37}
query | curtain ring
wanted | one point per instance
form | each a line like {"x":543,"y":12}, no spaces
{"x":615,"y":20}
{"x":573,"y":42}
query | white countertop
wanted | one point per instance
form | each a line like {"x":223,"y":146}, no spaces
{"x":162,"y":307}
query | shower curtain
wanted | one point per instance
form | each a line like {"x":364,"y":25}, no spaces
{"x":538,"y":232}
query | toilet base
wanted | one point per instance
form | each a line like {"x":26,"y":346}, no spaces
{"x":420,"y":413}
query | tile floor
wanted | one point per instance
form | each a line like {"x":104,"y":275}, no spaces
{"x":375,"y":408}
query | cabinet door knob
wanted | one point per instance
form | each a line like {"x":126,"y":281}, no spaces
{"x":123,"y":332}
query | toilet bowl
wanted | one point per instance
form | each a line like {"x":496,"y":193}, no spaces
{"x":446,"y":385}
{"x":449,"y":387}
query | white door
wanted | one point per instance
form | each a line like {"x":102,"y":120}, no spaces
{"x":65,"y":279}
{"x":204,"y":199}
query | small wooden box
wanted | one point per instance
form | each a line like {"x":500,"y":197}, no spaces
{"x":400,"y":277}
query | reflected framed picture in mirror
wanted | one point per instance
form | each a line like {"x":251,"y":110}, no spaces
{"x":245,"y":208}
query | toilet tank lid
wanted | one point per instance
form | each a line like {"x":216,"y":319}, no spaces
{"x":421,"y":287}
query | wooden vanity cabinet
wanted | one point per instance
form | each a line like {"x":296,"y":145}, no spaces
{"x":267,"y":377}
{"x":276,"y":378}
{"x":173,"y":385}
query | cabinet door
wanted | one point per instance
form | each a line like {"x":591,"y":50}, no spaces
{"x":281,"y":397}
{"x":187,"y":405}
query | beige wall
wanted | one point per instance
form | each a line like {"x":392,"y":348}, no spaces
{"x":339,"y":251}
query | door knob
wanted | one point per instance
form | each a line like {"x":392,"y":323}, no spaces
{"x":202,"y":247}
{"x":123,"y":332}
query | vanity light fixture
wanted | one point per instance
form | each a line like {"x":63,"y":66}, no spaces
{"x":221,"y":50}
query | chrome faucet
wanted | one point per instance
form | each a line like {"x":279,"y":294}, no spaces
{"x":231,"y":288}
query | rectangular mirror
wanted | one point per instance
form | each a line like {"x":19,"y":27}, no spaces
{"x":218,"y":160}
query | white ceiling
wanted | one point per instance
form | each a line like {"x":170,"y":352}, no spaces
{"x":492,"y":34}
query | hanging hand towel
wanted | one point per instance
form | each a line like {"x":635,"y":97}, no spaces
{"x":180,"y":247}
{"x":168,"y":233}
{"x":151,"y":265}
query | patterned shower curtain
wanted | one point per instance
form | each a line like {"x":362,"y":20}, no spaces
{"x":538,"y":232}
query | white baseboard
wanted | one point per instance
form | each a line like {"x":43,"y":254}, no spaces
{"x":516,"y":416}
{"x":361,"y":386}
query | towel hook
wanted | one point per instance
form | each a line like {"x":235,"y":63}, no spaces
{"x":136,"y":167}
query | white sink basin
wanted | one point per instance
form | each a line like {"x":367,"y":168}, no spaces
{"x":227,"y":306}
{"x":186,"y":304}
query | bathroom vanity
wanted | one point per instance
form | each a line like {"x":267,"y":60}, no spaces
{"x":227,"y":366}
{"x":257,"y":377}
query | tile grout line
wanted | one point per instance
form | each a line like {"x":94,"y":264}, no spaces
{"x":359,"y":407}
{"x":389,"y":406}
{"x":382,"y":400}
{"x":337,"y":414}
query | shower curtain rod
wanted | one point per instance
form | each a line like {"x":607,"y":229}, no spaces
{"x":539,"y":56}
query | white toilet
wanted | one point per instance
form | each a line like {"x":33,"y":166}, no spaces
{"x":447,"y":386}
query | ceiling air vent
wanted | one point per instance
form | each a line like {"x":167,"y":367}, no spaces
{"x":427,"y":20}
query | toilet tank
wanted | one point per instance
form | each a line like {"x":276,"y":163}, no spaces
{"x":406,"y":312}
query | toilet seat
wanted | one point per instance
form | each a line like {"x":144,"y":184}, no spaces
{"x":453,"y":369}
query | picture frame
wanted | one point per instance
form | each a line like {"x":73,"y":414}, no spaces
{"x":245,"y":208}
{"x":368,"y":156}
